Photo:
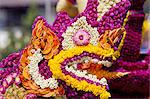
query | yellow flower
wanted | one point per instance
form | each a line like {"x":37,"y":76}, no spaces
{"x":105,"y":95}
{"x":55,"y":64}
{"x":122,"y":41}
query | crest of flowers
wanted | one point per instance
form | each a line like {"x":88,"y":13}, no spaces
{"x":82,"y":31}
{"x":35,"y":74}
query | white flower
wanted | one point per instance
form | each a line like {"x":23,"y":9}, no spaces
{"x":95,"y":60}
{"x":84,"y":74}
{"x":105,"y":63}
{"x":34,"y":72}
{"x":75,"y":66}
{"x":86,"y":61}
{"x":103,"y":81}
{"x":104,"y":6}
{"x":80,"y":24}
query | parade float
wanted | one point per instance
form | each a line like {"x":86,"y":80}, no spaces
{"x":93,"y":54}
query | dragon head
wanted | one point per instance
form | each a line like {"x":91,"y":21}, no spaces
{"x":76,"y":50}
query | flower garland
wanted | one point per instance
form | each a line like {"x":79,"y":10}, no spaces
{"x":17,"y":92}
{"x":32,"y":76}
{"x":55,"y":66}
{"x":126,"y":19}
{"x":104,"y":6}
{"x":71,"y":93}
{"x":78,"y":38}
{"x":77,"y":29}
{"x":114,"y":17}
{"x":36,"y":76}
{"x":10,"y":73}
{"x":84,"y":74}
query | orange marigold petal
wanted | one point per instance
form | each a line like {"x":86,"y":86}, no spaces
{"x":47,"y":48}
{"x":26,"y":73}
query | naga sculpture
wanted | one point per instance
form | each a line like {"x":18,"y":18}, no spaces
{"x":81,"y":57}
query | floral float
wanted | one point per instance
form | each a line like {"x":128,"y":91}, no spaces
{"x":73,"y":57}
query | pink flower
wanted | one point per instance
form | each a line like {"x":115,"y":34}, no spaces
{"x":1,"y":96}
{"x":2,"y":90}
{"x":17,"y":80}
{"x":9,"y":79}
{"x":81,"y":38}
{"x":30,"y":96}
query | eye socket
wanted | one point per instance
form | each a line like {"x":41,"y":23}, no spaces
{"x":83,"y":65}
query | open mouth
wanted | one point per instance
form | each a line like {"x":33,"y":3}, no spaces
{"x":84,"y":68}
{"x":81,"y":66}
{"x":78,"y":65}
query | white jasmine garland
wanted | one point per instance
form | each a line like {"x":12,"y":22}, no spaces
{"x":105,"y":63}
{"x":82,"y":24}
{"x":104,"y":6}
{"x":85,"y":74}
{"x":36,"y":76}
{"x":96,"y":61}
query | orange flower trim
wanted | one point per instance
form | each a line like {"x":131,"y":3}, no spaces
{"x":110,"y":37}
{"x":42,"y":38}
{"x":96,"y":69}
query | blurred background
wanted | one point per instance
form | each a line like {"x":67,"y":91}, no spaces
{"x":17,"y":16}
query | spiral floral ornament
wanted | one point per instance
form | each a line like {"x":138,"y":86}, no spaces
{"x":34,"y":61}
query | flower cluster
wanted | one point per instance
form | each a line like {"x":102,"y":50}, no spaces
{"x":91,"y":12}
{"x":75,"y":81}
{"x":113,"y":39}
{"x":17,"y":92}
{"x":61,"y":23}
{"x":104,"y":6}
{"x":41,"y":32}
{"x":81,"y":38}
{"x":132,"y":43}
{"x":105,"y":63}
{"x":44,"y":69}
{"x":92,"y":35}
{"x":84,"y":74}
{"x":114,"y":17}
{"x":36,"y":76}
{"x":8,"y":81}
{"x":72,"y":93}
{"x":10,"y":72}
{"x":89,"y":44}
